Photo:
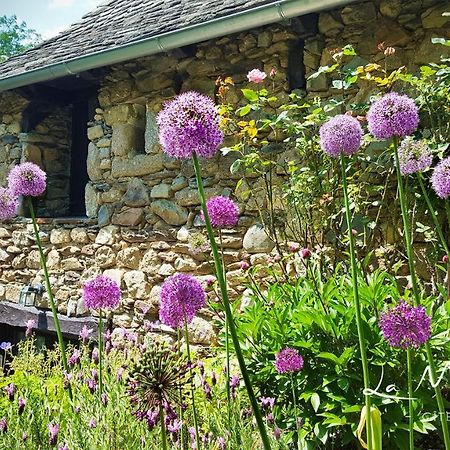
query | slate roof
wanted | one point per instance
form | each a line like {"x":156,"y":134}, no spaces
{"x":118,"y":22}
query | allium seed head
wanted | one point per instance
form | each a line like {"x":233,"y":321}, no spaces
{"x":8,"y":204}
{"x":440,"y":179}
{"x":189,"y":124}
{"x":414,"y":156}
{"x":393,"y":115}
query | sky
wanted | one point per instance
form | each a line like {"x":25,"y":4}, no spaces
{"x":48,"y":17}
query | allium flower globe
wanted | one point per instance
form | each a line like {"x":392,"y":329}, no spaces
{"x":414,"y":156}
{"x":440,"y":179}
{"x":393,"y":115}
{"x":181,"y":298}
{"x":405,"y":326}
{"x":189,"y":124}
{"x":8,"y":204}
{"x":288,"y":360}
{"x":341,"y":135}
{"x":256,"y":76}
{"x":101,"y":293}
{"x":27,"y":179}
{"x":222,"y":211}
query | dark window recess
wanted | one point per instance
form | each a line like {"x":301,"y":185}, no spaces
{"x":296,"y":67}
{"x":78,"y":157}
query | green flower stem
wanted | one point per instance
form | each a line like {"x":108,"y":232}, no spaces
{"x":294,"y":396}
{"x":194,"y":409}
{"x":49,"y":292}
{"x":433,"y":214}
{"x":163,"y":429}
{"x":181,"y":412}
{"x":410,"y":399}
{"x":228,"y":312}
{"x":100,"y":353}
{"x":362,"y":344}
{"x":416,"y":295}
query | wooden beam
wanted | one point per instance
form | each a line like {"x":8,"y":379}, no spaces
{"x":17,"y":315}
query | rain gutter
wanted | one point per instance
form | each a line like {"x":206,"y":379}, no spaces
{"x":234,"y":23}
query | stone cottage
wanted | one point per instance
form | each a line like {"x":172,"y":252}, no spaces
{"x":82,"y":105}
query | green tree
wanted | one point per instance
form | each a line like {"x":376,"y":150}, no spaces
{"x":15,"y":37}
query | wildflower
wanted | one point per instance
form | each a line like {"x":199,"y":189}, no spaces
{"x":63,"y":447}
{"x":180,"y":299}
{"x":75,"y":358}
{"x":235,"y":381}
{"x":67,"y":380}
{"x":277,"y":434}
{"x":21,"y":403}
{"x":221,"y":443}
{"x":101,"y":292}
{"x":30,"y":324}
{"x":293,"y":247}
{"x":6,"y":346}
{"x":272,"y":72}
{"x":85,"y":333}
{"x":445,"y":259}
{"x":92,"y":385}
{"x":207,"y":390}
{"x":95,"y":356}
{"x":27,"y":179}
{"x":119,"y":373}
{"x":175,"y":426}
{"x":3,"y":425}
{"x":256,"y":76}
{"x":189,"y":124}
{"x":93,"y":423}
{"x":104,"y":399}
{"x":8,"y":204}
{"x":24,"y":436}
{"x":270,"y":418}
{"x":222,"y":211}
{"x":288,"y":360}
{"x":341,"y":135}
{"x":440,"y":179}
{"x":414,"y":156}
{"x":244,"y":265}
{"x":53,"y":429}
{"x":305,"y":253}
{"x":405,"y":325}
{"x":267,"y":402}
{"x":10,"y":390}
{"x":94,"y":374}
{"x":393,"y":115}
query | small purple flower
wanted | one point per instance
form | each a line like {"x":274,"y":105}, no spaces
{"x":440,"y":180}
{"x":181,"y":298}
{"x":85,"y":333}
{"x":221,"y":443}
{"x":414,"y":156}
{"x":222,"y":211}
{"x":189,"y":124}
{"x":207,"y":390}
{"x":288,"y":360}
{"x":68,"y":377}
{"x":3,"y":425}
{"x":75,"y":358}
{"x":24,"y":436}
{"x":9,"y":204}
{"x":267,"y":402}
{"x":101,"y":292}
{"x":6,"y":346}
{"x":92,"y":385}
{"x":393,"y":115}
{"x":270,"y":418}
{"x":244,"y":265}
{"x":341,"y":135}
{"x":405,"y":326}
{"x":10,"y":390}
{"x":53,"y":429}
{"x":63,"y":447}
{"x":30,"y":324}
{"x":95,"y":355}
{"x":235,"y":381}
{"x":104,"y":399}
{"x":21,"y":405}
{"x":175,"y":426}
{"x":277,"y":434}
{"x":93,"y":423}
{"x":305,"y":253}
{"x":27,"y":179}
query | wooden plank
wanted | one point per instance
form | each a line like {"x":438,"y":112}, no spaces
{"x":17,"y":315}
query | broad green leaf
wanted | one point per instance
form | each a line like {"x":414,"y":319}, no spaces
{"x":250,"y":95}
{"x":315,"y":401}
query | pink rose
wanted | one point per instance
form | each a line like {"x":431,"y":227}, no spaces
{"x":256,"y":76}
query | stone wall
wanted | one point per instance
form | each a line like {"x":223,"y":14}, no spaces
{"x":142,"y":206}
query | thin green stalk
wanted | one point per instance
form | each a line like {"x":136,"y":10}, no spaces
{"x":49,"y":292}
{"x":362,"y":344}
{"x":163,"y":428}
{"x":416,"y":295}
{"x":181,"y":412}
{"x":294,"y":395}
{"x":410,"y":399}
{"x":228,"y":312}
{"x":194,"y":409}
{"x":100,"y":353}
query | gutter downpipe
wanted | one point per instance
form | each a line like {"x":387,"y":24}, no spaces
{"x":262,"y":15}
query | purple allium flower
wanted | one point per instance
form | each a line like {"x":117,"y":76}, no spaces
{"x":256,"y":76}
{"x":85,"y":333}
{"x":440,"y":180}
{"x":53,"y":429}
{"x":405,"y":325}
{"x":21,"y":403}
{"x":180,"y":299}
{"x":393,"y":115}
{"x":6,"y":346}
{"x":10,"y":390}
{"x":414,"y":156}
{"x":3,"y":425}
{"x":341,"y":135}
{"x":189,"y":124}
{"x":93,"y":423}
{"x":288,"y":360}
{"x":30,"y":324}
{"x":75,"y":358}
{"x":267,"y":402}
{"x":222,"y":211}
{"x":8,"y":204}
{"x":221,"y":443}
{"x":101,"y":292}
{"x":27,"y":179}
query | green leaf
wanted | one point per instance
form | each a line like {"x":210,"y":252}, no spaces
{"x":315,"y":401}
{"x":250,"y":95}
{"x":348,"y":50}
{"x":442,"y":41}
{"x":235,"y":166}
{"x":244,"y":110}
{"x":329,"y":356}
